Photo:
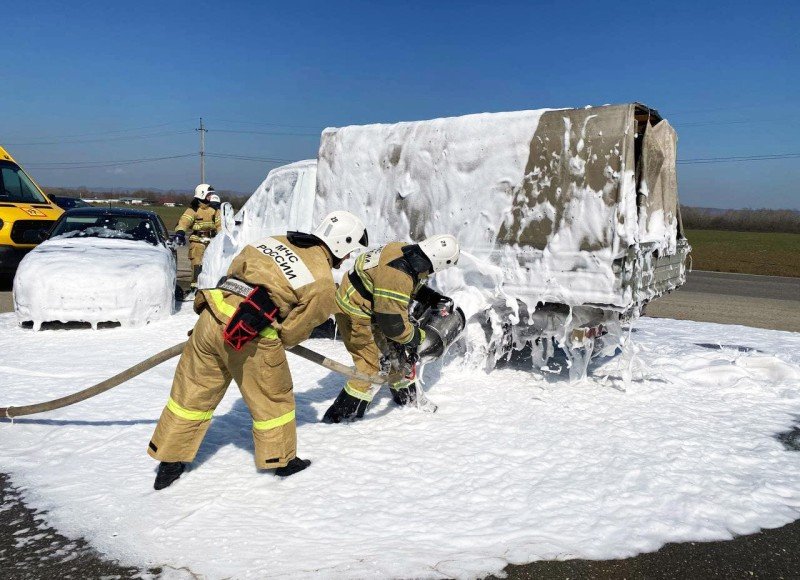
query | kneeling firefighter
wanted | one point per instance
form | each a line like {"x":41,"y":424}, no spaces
{"x":276,"y":291}
{"x":204,"y":220}
{"x":373,"y":317}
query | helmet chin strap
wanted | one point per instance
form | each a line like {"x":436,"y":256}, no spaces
{"x":335,"y":262}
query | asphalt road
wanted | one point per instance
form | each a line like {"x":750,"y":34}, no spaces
{"x":760,"y":301}
{"x":29,"y":549}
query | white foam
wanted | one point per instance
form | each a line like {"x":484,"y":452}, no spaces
{"x":463,"y":176}
{"x":95,"y":279}
{"x":283,"y":202}
{"x":674,"y":443}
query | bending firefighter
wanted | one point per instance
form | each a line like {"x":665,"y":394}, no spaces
{"x":203,"y":220}
{"x":373,"y":301}
{"x":275,"y":292}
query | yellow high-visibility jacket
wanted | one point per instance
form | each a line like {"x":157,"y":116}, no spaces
{"x":392,"y":286}
{"x":203,"y":223}
{"x":298,"y":280}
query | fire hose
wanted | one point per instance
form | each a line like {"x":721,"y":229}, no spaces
{"x":442,"y":330}
{"x":165,"y":355}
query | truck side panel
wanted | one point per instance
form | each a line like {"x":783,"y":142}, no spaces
{"x":547,"y":196}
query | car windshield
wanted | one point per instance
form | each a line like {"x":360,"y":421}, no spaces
{"x":16,"y":187}
{"x":70,"y":202}
{"x":106,"y":226}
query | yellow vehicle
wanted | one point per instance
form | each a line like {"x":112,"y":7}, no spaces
{"x":26,"y":214}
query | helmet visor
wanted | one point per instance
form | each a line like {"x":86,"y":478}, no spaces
{"x":364,"y":241}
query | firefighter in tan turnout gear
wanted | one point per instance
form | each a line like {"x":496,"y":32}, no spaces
{"x":202,"y":221}
{"x":276,"y":291}
{"x":373,"y":301}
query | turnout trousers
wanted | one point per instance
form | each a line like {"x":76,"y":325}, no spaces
{"x":196,"y":252}
{"x":204,"y":372}
{"x":361,"y":339}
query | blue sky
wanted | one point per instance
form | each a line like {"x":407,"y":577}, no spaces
{"x":110,"y":81}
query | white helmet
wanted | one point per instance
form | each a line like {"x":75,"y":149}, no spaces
{"x":441,"y":250}
{"x":214,"y":198}
{"x":342,"y":232}
{"x":202,"y":190}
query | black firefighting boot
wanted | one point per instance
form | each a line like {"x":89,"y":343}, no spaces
{"x":168,"y":472}
{"x":346,"y":406}
{"x":294,"y":466}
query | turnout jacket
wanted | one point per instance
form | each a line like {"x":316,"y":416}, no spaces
{"x":202,"y":223}
{"x":379,"y":289}
{"x":298,"y":280}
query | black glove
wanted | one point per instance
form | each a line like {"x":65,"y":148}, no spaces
{"x":402,"y":358}
{"x":416,"y":339}
{"x":432,"y":298}
{"x":180,"y":238}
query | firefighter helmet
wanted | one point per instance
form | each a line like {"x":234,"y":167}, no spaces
{"x":442,"y":250}
{"x":342,"y":232}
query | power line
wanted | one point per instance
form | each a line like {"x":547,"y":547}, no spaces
{"x":707,"y":160}
{"x":319,"y":127}
{"x":739,"y":122}
{"x":95,"y":164}
{"x":110,"y":139}
{"x":112,"y":131}
{"x":759,"y":106}
{"x":123,"y":162}
{"x":249,"y":158}
{"x":266,"y":132}
{"x":93,"y":133}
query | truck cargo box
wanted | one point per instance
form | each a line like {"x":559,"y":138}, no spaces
{"x":569,"y":219}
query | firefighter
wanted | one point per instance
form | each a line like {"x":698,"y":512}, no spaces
{"x":373,"y":301}
{"x":203,"y":219}
{"x":277,"y":290}
{"x":216,"y":203}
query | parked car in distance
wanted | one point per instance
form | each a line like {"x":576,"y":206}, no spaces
{"x":66,"y":203}
{"x":26,"y":213}
{"x":99,"y":265}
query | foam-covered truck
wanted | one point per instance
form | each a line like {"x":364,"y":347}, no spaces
{"x":568,"y":219}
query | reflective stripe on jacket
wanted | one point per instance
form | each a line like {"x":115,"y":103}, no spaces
{"x":298,"y":280}
{"x":203,"y":223}
{"x":391,"y":289}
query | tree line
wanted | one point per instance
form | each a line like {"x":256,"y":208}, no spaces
{"x":741,"y":220}
{"x":150,"y":196}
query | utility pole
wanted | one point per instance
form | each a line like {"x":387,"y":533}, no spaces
{"x":203,"y":131}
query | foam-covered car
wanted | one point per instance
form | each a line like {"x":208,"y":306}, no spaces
{"x":99,"y":265}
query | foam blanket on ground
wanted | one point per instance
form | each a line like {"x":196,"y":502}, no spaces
{"x":95,"y":280}
{"x":677,"y":440}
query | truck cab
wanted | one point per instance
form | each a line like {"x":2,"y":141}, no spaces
{"x":26,"y":213}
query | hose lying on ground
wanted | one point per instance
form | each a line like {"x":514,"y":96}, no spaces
{"x":157,"y":359}
{"x":118,"y":379}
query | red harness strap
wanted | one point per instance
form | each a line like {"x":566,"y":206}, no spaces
{"x":254,"y":314}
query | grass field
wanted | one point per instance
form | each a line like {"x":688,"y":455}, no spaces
{"x":170,"y":215}
{"x":767,"y":254}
